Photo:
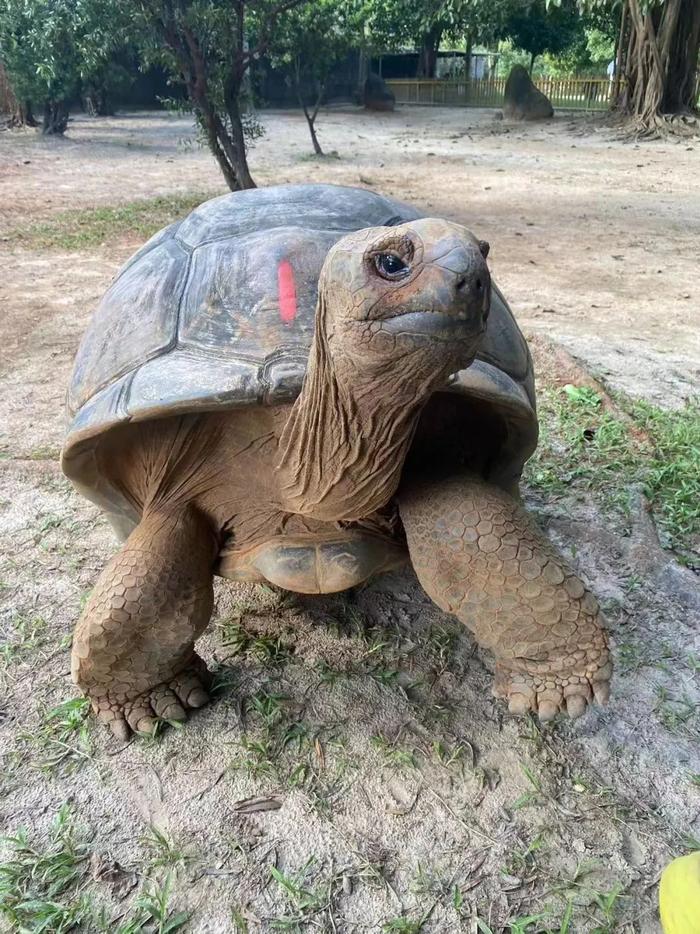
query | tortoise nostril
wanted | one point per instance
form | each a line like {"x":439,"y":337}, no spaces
{"x":479,"y":285}
{"x":461,"y":283}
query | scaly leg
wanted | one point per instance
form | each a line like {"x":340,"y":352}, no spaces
{"x":133,"y":648}
{"x":478,"y":555}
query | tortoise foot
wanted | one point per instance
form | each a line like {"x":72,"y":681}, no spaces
{"x":168,"y":701}
{"x":548,"y":693}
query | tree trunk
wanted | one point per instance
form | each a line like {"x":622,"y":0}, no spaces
{"x":227,"y":142}
{"x":310,"y":117}
{"x":533,"y":56}
{"x":311,"y":120}
{"x":223,"y":127}
{"x":660,"y":61}
{"x":234,"y":145}
{"x":427,"y":57}
{"x":98,"y":103}
{"x":227,"y":146}
{"x":55,"y":118}
{"x":26,"y":114}
{"x":616,"y":90}
{"x":19,"y":112}
{"x":22,"y":115}
{"x":469,"y":45}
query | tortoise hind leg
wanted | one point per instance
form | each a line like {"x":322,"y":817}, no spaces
{"x":479,"y":556}
{"x":133,"y":647}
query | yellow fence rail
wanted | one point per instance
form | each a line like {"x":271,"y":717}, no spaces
{"x":564,"y":93}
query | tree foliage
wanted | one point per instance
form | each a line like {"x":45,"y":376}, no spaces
{"x":50,"y":46}
{"x":309,"y":43}
{"x":537,"y":29}
{"x":209,"y":46}
{"x":532,"y":25}
{"x":394,"y":24}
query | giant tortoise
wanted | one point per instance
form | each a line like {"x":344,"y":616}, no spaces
{"x":308,"y":385}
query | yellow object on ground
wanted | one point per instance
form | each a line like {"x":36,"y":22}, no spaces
{"x":679,"y":895}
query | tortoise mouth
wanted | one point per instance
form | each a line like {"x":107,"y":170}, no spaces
{"x":439,"y":325}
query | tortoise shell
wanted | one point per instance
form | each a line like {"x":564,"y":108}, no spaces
{"x":217,"y":311}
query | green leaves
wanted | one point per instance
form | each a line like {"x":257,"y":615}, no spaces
{"x":313,"y":37}
{"x":49,"y":46}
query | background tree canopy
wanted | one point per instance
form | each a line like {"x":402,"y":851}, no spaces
{"x":55,"y":50}
{"x":51,"y":47}
{"x":309,"y":42}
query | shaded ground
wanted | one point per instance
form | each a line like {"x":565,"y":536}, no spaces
{"x":395,"y":791}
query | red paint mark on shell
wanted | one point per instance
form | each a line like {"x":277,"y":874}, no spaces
{"x":287,"y":292}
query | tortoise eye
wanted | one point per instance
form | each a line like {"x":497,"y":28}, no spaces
{"x":390,"y":266}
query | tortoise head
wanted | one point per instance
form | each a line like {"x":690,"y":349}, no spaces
{"x":419,"y":291}
{"x":399,"y":310}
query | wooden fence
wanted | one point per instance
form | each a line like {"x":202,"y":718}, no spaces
{"x":564,"y":93}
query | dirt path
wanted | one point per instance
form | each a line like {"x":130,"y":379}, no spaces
{"x":594,"y":240}
{"x":394,"y":785}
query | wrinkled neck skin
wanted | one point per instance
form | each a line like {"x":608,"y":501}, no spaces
{"x":344,"y":444}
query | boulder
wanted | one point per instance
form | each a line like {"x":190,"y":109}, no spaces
{"x":522,"y":100}
{"x":377,"y":95}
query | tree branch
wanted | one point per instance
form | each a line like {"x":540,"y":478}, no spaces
{"x":266,"y":37}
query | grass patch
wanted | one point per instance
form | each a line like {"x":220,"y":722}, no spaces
{"x":163,"y":851}
{"x":613,"y":451}
{"x":45,"y":888}
{"x":268,"y":651}
{"x":281,"y":745}
{"x":28,"y":633}
{"x":92,"y":227}
{"x":39,"y":886}
{"x":404,"y":924}
{"x":679,"y":715}
{"x":395,"y":755}
{"x":672,"y":478}
{"x":304,"y":902}
{"x":62,"y":741}
{"x":152,"y":912}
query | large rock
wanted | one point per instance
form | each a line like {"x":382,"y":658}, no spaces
{"x":377,"y":95}
{"x":522,"y":100}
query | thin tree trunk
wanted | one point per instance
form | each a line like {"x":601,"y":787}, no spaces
{"x":227,"y":143}
{"x":236,"y":151}
{"x":615,"y":95}
{"x":55,"y":118}
{"x":427,"y":57}
{"x":223,"y":127}
{"x":26,"y":112}
{"x":208,"y":120}
{"x":533,"y":56}
{"x":468,"y":55}
{"x":310,"y":117}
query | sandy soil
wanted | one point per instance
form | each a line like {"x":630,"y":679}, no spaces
{"x":595,"y":243}
{"x":593,"y":239}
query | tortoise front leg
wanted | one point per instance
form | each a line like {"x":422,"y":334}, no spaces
{"x":133,"y":647}
{"x":478,"y":555}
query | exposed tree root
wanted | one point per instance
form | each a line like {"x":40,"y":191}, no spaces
{"x":632,"y":129}
{"x":657,"y":126}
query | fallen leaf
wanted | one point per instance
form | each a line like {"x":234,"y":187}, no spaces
{"x":260,"y":803}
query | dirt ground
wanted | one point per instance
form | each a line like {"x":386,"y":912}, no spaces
{"x":396,"y":790}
